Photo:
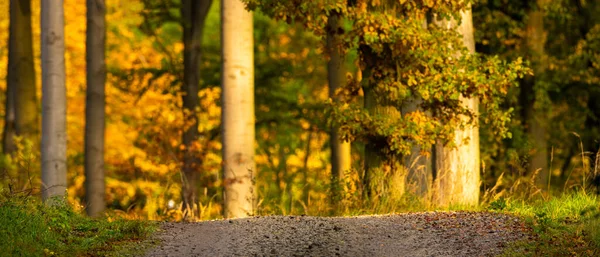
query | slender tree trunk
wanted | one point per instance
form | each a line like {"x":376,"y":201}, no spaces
{"x":286,"y":206}
{"x":194,"y":15}
{"x":306,"y":171}
{"x":457,"y":176}
{"x":237,"y":99}
{"x":340,"y":150}
{"x":535,"y":119}
{"x":278,"y":181}
{"x":54,"y":101}
{"x":26,"y":111}
{"x":95,"y":107}
{"x":21,"y":102}
{"x":8,"y":143}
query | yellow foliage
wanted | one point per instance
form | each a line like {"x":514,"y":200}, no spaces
{"x":144,"y":120}
{"x":125,"y":111}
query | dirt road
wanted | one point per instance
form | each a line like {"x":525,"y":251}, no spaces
{"x":413,"y":234}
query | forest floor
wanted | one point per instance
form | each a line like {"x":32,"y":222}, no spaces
{"x":410,"y":234}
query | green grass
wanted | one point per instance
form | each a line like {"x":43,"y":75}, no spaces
{"x":29,"y":228}
{"x":568,"y":225}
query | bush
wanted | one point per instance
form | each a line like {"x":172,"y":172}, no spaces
{"x":30,"y":228}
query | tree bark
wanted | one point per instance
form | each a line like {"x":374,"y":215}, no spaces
{"x":534,"y":118}
{"x":340,"y":150}
{"x":418,"y":167}
{"x":383,"y":173}
{"x":8,"y":143}
{"x":457,"y":168}
{"x":95,"y":107}
{"x":54,"y":134}
{"x":305,"y":184}
{"x":238,"y":118}
{"x":193,"y":15}
{"x":21,"y":99}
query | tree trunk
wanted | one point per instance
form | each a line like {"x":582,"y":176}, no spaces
{"x":237,"y":99}
{"x":457,"y":169}
{"x":54,"y":101}
{"x":21,"y":101}
{"x":95,"y":107}
{"x":340,"y":150}
{"x":383,"y":173}
{"x":418,"y":167}
{"x":194,"y":15}
{"x":8,"y":143}
{"x":288,"y":180}
{"x":534,"y":118}
{"x":306,"y":171}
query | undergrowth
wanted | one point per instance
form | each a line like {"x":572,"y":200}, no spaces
{"x":30,"y":228}
{"x":566,"y":225}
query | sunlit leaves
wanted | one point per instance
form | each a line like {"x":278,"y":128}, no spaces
{"x":401,"y":58}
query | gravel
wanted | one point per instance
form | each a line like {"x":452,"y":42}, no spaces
{"x":411,"y":234}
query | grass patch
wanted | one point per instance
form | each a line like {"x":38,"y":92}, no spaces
{"x":29,"y":228}
{"x":568,"y":225}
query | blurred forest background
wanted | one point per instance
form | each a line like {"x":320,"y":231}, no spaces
{"x":539,"y":135}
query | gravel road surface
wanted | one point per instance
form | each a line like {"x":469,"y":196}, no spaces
{"x":411,"y":234}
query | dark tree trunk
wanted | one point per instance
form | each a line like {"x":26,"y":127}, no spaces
{"x":22,"y":116}
{"x":95,"y":107}
{"x":193,"y":15}
{"x":535,"y":118}
{"x":384,"y":172}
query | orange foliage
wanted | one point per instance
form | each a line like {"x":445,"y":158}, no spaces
{"x":144,"y":119}
{"x":136,"y":177}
